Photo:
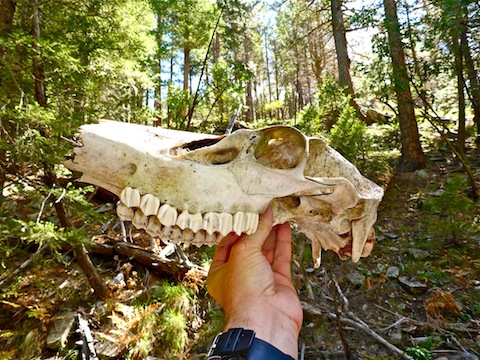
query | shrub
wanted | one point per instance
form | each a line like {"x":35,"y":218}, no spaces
{"x":452,"y":211}
{"x":349,"y":137}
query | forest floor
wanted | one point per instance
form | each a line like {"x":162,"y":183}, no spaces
{"x":417,"y":293}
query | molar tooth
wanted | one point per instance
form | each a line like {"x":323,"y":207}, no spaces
{"x":124,"y":212}
{"x":176,"y":235}
{"x":226,"y":223}
{"x":166,"y":233}
{"x":140,"y":221}
{"x":149,"y":204}
{"x":154,"y":227}
{"x":167,"y":215}
{"x":252,"y":223}
{"x":211,"y":239}
{"x":196,"y":222}
{"x":183,"y":220}
{"x":130,"y":197}
{"x":199,"y":238}
{"x":188,"y":236}
{"x":211,"y":222}
{"x":239,"y":223}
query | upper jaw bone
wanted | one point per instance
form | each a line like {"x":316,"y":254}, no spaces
{"x":147,"y":212}
{"x":238,"y":175}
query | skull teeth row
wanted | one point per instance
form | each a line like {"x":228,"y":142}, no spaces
{"x":146,"y":212}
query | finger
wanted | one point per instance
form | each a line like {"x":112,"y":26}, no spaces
{"x":222,"y":253}
{"x":265,"y":224}
{"x":283,"y":251}
{"x":268,"y":248}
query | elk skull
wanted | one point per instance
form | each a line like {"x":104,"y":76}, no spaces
{"x":196,"y":188}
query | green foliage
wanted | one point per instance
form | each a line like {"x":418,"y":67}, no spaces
{"x":309,"y":121}
{"x":349,"y":137}
{"x":174,"y":337}
{"x":420,"y":352}
{"x":452,"y":211}
{"x":321,"y":116}
{"x":174,"y":296}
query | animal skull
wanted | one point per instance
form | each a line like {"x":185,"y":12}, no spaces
{"x":196,"y":188}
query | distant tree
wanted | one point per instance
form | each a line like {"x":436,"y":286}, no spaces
{"x":413,"y":157}
{"x":6,"y":21}
{"x":343,"y":60}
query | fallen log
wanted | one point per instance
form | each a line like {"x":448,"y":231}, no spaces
{"x":169,"y":267}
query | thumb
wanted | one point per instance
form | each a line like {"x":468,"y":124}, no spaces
{"x":265,"y":224}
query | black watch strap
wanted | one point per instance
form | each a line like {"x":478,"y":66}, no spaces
{"x":232,"y":344}
{"x":261,"y":350}
{"x":238,"y":343}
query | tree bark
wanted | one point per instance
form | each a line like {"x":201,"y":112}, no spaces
{"x":458,"y":66}
{"x":37,"y":61}
{"x":186,"y":69}
{"x":158,"y":88}
{"x":249,"y":116}
{"x":474,"y":85}
{"x":413,"y":157}
{"x":343,"y":60}
{"x":6,"y":21}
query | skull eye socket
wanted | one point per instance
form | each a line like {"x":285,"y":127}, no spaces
{"x":280,"y":148}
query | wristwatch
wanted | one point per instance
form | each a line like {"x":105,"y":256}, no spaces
{"x":238,"y":343}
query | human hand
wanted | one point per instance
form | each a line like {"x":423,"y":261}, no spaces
{"x":250,"y":278}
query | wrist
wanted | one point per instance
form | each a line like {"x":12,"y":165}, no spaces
{"x":277,"y":329}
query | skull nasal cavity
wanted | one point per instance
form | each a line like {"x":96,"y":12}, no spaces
{"x":280,"y":148}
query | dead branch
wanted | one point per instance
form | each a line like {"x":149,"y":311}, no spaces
{"x":314,"y":310}
{"x":458,"y":154}
{"x":308,"y":285}
{"x":161,"y":264}
{"x":8,"y":276}
{"x":444,"y":326}
{"x":338,"y":311}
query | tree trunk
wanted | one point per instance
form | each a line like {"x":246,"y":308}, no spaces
{"x":249,"y":116}
{"x":299,"y":88}
{"x":458,"y":66}
{"x":38,"y":73}
{"x":318,"y":60}
{"x":50,"y":177}
{"x":474,"y":85}
{"x":413,"y":157}
{"x":158,"y":88}
{"x":186,"y":68}
{"x":6,"y":20}
{"x":267,"y":70}
{"x":169,"y":94}
{"x":217,"y":53}
{"x":343,"y":60}
{"x":276,"y":71}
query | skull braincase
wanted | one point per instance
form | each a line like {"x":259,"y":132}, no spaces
{"x":196,"y":188}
